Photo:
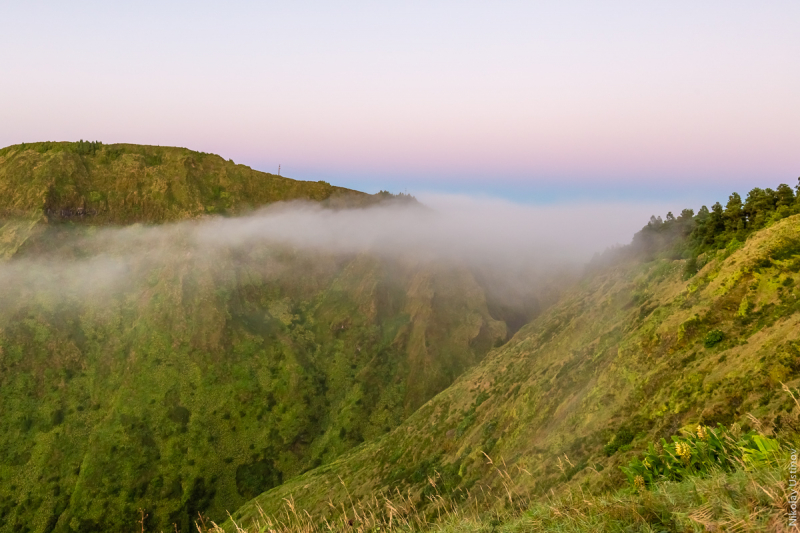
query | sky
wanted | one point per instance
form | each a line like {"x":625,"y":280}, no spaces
{"x":533,"y":102}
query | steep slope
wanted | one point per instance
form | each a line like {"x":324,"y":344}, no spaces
{"x":633,"y":353}
{"x":140,"y":369}
{"x":205,"y":381}
{"x":122,"y":183}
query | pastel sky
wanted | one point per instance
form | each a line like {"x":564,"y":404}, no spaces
{"x":532,"y":101}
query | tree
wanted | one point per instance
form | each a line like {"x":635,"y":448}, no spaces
{"x":753,"y":205}
{"x":759,"y":204}
{"x":785,"y":195}
{"x":716,"y":218}
{"x":733,"y":212}
{"x":715,"y":226}
{"x":702,"y":215}
{"x":797,"y":196}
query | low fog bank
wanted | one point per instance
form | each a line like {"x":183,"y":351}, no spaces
{"x":471,"y":231}
{"x":514,"y":249}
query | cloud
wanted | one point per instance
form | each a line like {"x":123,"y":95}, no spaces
{"x":512,"y":247}
{"x":470,"y":230}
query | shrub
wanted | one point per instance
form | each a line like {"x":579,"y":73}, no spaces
{"x":713,"y":337}
{"x":690,"y":268}
{"x":623,"y":437}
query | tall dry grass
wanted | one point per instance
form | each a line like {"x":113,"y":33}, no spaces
{"x":740,"y":501}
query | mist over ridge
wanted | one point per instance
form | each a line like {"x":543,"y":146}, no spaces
{"x":219,"y":314}
{"x":513,"y":243}
{"x":218,"y":332}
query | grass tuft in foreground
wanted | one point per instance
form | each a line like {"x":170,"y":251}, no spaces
{"x":741,"y":501}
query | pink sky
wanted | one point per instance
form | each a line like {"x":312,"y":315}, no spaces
{"x":459,"y":94}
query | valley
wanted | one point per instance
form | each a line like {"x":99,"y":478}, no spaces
{"x":160,"y":356}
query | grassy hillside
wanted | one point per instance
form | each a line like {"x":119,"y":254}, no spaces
{"x":121,"y":183}
{"x":207,"y":380}
{"x":146,"y":375}
{"x":138,"y":370}
{"x":637,"y":351}
{"x":746,"y":500}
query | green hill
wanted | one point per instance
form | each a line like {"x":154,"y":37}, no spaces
{"x":203,"y":378}
{"x":697,"y":322}
{"x":144,"y":373}
{"x":123,"y":183}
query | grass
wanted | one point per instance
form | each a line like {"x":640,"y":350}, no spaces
{"x":94,"y":183}
{"x":584,"y":388}
{"x":753,"y":500}
{"x":719,"y":480}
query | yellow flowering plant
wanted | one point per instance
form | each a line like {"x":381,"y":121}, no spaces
{"x":700,"y":452}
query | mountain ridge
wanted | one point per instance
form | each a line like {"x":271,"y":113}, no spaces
{"x":125,"y":183}
{"x":142,"y":367}
{"x":633,"y":353}
{"x":243,"y":376}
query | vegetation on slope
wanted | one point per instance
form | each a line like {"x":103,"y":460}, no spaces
{"x":210,"y":380}
{"x":747,"y":500}
{"x":692,"y":237}
{"x":708,"y":480}
{"x":89,"y":182}
{"x":631,"y":355}
{"x":202,"y":378}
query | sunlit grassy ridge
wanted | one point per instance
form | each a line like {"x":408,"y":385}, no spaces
{"x":122,"y":183}
{"x":634,"y":353}
{"x":727,"y":480}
